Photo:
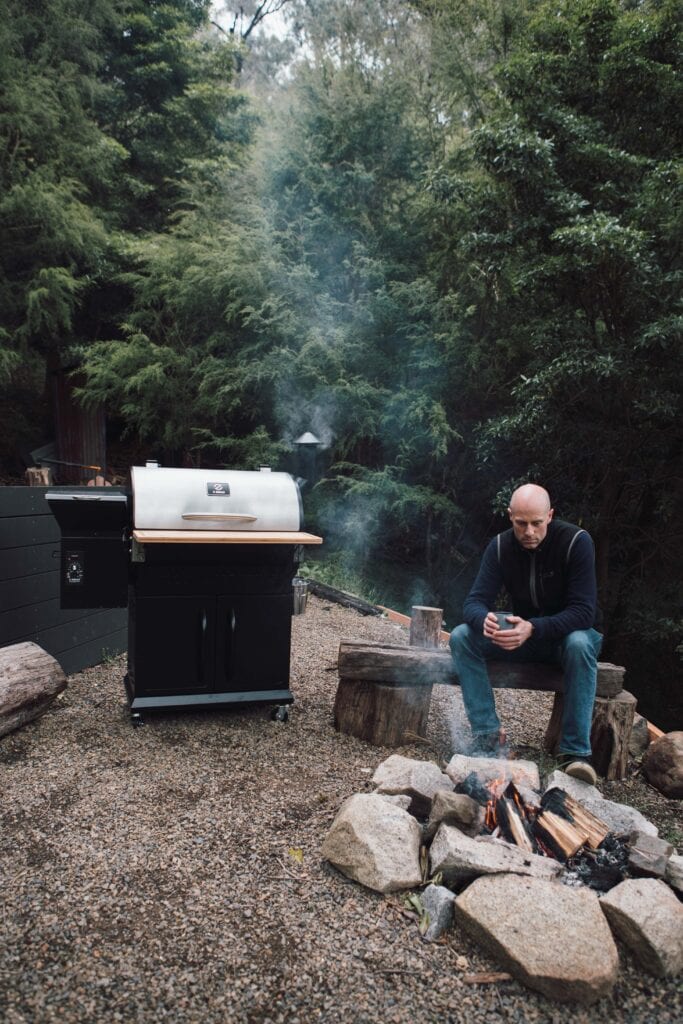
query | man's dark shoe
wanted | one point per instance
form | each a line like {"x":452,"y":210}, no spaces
{"x":489,"y":744}
{"x":578,"y":768}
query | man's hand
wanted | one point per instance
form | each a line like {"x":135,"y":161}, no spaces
{"x":507,"y":639}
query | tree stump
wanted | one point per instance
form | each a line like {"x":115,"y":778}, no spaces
{"x":380,"y":713}
{"x":425,"y":626}
{"x":30,"y":679}
{"x":610,"y":732}
{"x":389,"y":714}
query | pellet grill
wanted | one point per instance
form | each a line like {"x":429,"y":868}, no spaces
{"x":204,"y":560}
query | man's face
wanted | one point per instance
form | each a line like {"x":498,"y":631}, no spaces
{"x":530,"y":521}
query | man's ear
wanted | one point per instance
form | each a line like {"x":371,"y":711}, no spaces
{"x":550,"y":514}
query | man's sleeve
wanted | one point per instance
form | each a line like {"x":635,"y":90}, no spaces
{"x":579,"y":611}
{"x":485,"y":589}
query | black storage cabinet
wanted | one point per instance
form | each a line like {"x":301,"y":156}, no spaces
{"x":210,"y":624}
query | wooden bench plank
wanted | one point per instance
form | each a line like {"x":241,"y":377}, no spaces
{"x":414,"y":666}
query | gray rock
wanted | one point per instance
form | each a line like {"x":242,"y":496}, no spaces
{"x":522,"y":773}
{"x":648,"y":855}
{"x":420,"y":780}
{"x":619,"y":818}
{"x":461,"y":859}
{"x":375,"y":843}
{"x":438,"y":902}
{"x":663,"y":764}
{"x":398,"y":799}
{"x":574,"y":787}
{"x":455,"y":809}
{"x":674,"y":872}
{"x":552,"y":938}
{"x":647,"y":916}
{"x":640,"y":737}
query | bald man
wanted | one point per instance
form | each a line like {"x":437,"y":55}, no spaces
{"x":547,"y":568}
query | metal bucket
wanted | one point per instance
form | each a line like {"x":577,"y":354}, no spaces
{"x":300,"y":595}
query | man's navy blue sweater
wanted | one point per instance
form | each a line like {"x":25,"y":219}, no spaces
{"x":553,"y":587}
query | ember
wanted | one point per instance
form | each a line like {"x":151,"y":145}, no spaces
{"x":601,"y":869}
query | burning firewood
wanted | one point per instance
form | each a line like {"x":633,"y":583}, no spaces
{"x":558,"y":835}
{"x":560,"y":803}
{"x":510,"y":814}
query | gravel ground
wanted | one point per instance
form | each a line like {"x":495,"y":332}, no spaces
{"x":173,"y":872}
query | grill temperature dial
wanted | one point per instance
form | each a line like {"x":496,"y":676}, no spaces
{"x":74,"y":567}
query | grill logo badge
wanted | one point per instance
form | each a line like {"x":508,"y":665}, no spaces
{"x":220,"y":489}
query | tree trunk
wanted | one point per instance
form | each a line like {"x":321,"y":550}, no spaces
{"x":30,"y":679}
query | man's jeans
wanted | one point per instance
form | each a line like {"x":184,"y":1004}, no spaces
{"x":576,"y":653}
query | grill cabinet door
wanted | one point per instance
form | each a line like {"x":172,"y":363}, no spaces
{"x":172,"y":644}
{"x":253,"y":642}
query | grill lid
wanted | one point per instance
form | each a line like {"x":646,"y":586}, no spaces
{"x":210,"y":499}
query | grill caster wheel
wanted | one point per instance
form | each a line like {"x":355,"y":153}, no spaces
{"x":136,"y":719}
{"x":280,"y":713}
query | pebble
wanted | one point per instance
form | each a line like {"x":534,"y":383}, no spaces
{"x":147,"y":878}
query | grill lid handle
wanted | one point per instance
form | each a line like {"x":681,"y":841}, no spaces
{"x":220,"y":516}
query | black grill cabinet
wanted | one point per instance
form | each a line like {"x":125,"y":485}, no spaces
{"x":205,"y":560}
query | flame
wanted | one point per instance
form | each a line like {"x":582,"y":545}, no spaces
{"x":495,"y":788}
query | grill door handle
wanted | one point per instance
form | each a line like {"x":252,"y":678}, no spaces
{"x":201,"y":647}
{"x":221,"y":517}
{"x":229,"y":643}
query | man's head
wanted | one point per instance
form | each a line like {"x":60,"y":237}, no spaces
{"x":530,"y":514}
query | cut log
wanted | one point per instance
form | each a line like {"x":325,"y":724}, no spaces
{"x":425,"y":627}
{"x":413,"y":666}
{"x":30,"y":679}
{"x":610,"y":732}
{"x":378,"y":713}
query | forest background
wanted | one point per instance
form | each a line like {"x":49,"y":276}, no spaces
{"x":442,"y":235}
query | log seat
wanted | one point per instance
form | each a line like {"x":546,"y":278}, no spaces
{"x":383,"y":697}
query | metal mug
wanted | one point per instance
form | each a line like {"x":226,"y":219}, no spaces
{"x":299,"y":595}
{"x":502,"y":620}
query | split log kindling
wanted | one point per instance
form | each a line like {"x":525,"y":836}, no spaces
{"x":512,"y":821}
{"x":559,"y":835}
{"x":559,"y":802}
{"x":564,"y":826}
